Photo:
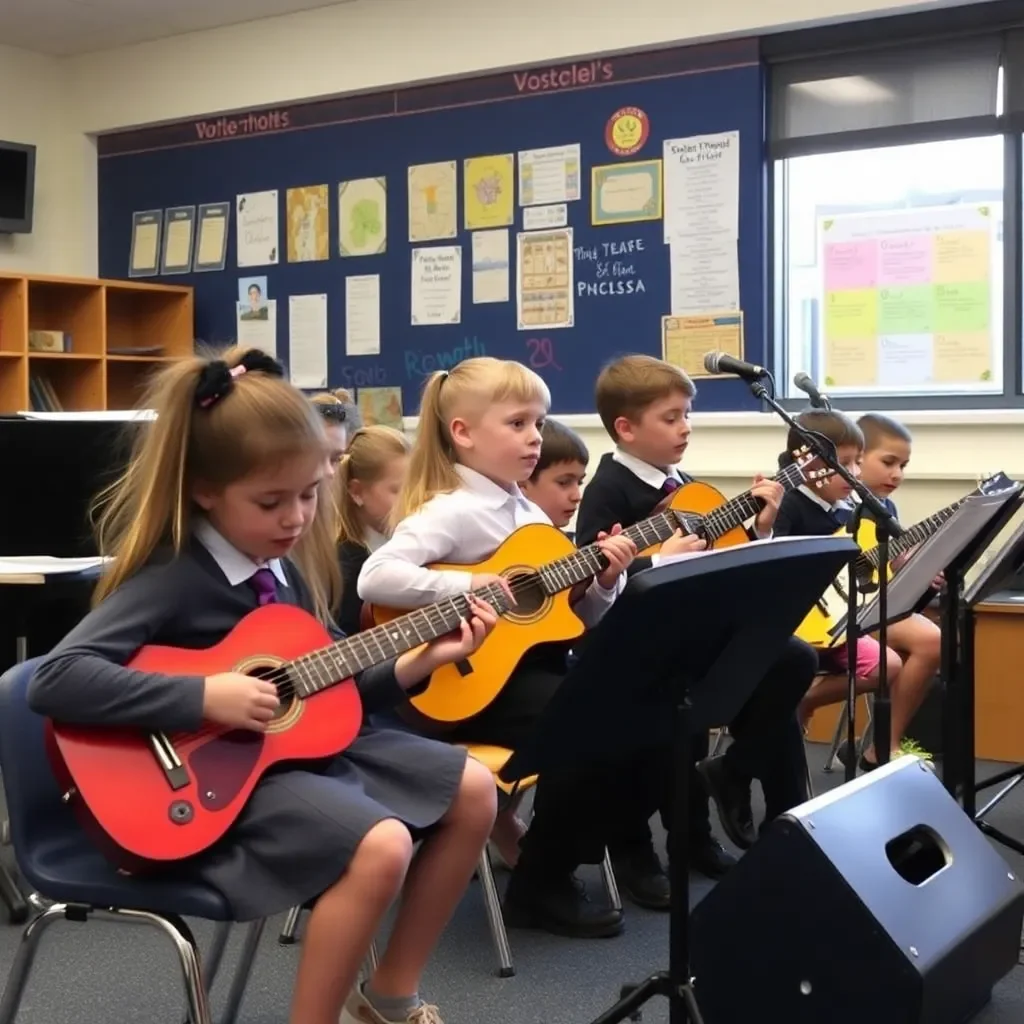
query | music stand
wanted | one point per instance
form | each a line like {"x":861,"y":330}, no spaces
{"x":1007,"y":562}
{"x":639,"y":685}
{"x":957,"y":667}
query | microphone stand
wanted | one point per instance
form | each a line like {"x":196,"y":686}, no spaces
{"x":886,"y":527}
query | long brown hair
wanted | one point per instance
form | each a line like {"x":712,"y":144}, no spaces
{"x":467,"y":389}
{"x":369,"y":453}
{"x":260,"y":422}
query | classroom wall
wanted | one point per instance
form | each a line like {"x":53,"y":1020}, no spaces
{"x":34,"y":108}
{"x":307,"y":55}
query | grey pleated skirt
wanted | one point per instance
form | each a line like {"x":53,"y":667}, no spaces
{"x":301,"y":827}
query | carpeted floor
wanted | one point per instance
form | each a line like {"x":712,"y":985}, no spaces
{"x":97,"y":972}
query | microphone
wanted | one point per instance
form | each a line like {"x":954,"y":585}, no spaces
{"x":809,"y":388}
{"x":722,"y":362}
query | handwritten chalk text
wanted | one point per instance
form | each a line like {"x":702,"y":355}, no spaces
{"x":422,"y":364}
{"x":541,"y":354}
{"x":610,"y":268}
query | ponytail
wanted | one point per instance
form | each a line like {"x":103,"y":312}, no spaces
{"x":432,"y":466}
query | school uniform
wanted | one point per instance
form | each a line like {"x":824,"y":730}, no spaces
{"x":351,"y":556}
{"x":803,"y":513}
{"x":303,"y":823}
{"x":766,"y":738}
{"x":571,"y":811}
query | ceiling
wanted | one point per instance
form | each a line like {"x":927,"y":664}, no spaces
{"x":65,"y":27}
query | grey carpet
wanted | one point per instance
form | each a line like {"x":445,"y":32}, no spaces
{"x":99,"y":972}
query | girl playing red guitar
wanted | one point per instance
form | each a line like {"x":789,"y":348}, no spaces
{"x":222,"y":487}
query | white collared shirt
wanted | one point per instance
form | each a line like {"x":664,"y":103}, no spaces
{"x":373,"y":539}
{"x":237,"y":568}
{"x":653,"y":476}
{"x":464,"y":527}
{"x":818,"y":500}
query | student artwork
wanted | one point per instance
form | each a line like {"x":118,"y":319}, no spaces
{"x":544,"y":279}
{"x":307,"y":224}
{"x":488,"y":184}
{"x":380,"y":406}
{"x":258,"y":240}
{"x":362,"y":217}
{"x":908,"y":299}
{"x":433,"y":199}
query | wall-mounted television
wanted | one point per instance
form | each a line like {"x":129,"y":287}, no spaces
{"x":17,"y":187}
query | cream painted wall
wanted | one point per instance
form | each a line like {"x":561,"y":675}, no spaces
{"x":368,"y":44}
{"x":34,"y":108}
{"x":358,"y":46}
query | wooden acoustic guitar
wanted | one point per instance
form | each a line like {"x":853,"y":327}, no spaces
{"x":157,"y":797}
{"x":541,"y":566}
{"x":819,"y":627}
{"x":722,"y":522}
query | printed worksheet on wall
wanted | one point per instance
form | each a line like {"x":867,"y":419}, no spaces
{"x":258,"y":230}
{"x":307,"y":340}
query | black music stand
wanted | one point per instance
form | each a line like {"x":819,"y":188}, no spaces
{"x":1006,"y":564}
{"x":729,"y":614}
{"x":957,"y":670}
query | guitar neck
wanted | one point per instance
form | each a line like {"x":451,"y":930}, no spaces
{"x":913,"y":535}
{"x":737,"y":511}
{"x":328,"y":666}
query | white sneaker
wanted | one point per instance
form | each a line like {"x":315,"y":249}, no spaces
{"x":359,"y":1011}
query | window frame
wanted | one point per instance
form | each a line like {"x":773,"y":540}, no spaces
{"x":1002,"y":20}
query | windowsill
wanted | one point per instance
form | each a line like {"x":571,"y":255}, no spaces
{"x":981,"y":418}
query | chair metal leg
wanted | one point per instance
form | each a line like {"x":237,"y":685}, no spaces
{"x":174,"y":928}
{"x":837,"y":740}
{"x":24,"y":960}
{"x":215,"y":957}
{"x":246,"y":959}
{"x":492,"y":904}
{"x":721,"y":735}
{"x":611,"y":887}
{"x":291,"y":924}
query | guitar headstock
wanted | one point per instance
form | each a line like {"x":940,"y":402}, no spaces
{"x":802,"y":458}
{"x":996,"y":483}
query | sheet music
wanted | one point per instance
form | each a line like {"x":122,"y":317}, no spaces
{"x":911,"y":583}
{"x":45,"y":565}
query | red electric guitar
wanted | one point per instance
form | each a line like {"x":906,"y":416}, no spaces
{"x":158,"y":797}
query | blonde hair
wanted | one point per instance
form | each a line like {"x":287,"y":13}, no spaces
{"x":369,"y":453}
{"x":247,"y":421}
{"x":628,"y":386}
{"x":468,"y":388}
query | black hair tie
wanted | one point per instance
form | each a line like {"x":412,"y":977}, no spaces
{"x":217,"y":379}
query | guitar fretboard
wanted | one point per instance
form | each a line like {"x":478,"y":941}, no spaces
{"x":913,"y":535}
{"x":322,"y":669}
{"x":588,"y":561}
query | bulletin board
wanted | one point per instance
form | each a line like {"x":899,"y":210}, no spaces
{"x":621,"y":270}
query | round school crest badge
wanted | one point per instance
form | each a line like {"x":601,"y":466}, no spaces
{"x":627,"y":131}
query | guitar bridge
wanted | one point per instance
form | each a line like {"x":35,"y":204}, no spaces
{"x":168,"y":760}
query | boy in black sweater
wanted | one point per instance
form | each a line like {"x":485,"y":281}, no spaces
{"x":644,"y":404}
{"x":822,"y":512}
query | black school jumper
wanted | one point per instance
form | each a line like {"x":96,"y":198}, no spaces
{"x":302,"y":823}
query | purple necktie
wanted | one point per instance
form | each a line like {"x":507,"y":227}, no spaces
{"x":670,"y":484}
{"x":262,"y":582}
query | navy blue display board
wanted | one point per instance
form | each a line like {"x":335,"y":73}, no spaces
{"x":621,"y":272}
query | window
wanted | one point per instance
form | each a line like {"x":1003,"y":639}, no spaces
{"x":896,"y":230}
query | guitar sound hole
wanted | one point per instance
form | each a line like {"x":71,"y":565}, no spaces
{"x":529,"y":594}
{"x":285,"y":689}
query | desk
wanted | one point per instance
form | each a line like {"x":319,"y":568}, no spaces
{"x":998,"y":678}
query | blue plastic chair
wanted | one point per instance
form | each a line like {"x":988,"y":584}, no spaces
{"x":60,"y":862}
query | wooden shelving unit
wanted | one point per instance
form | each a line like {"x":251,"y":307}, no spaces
{"x":104,"y":322}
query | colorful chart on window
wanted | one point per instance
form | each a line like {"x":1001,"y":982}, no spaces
{"x":911,"y":301}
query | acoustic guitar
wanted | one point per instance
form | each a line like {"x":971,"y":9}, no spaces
{"x":541,"y":566}
{"x":720,"y":521}
{"x":156,"y":797}
{"x":819,"y":627}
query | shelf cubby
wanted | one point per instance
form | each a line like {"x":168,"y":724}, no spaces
{"x":118,"y":331}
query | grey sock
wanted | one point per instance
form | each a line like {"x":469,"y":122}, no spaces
{"x":392,"y":1008}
